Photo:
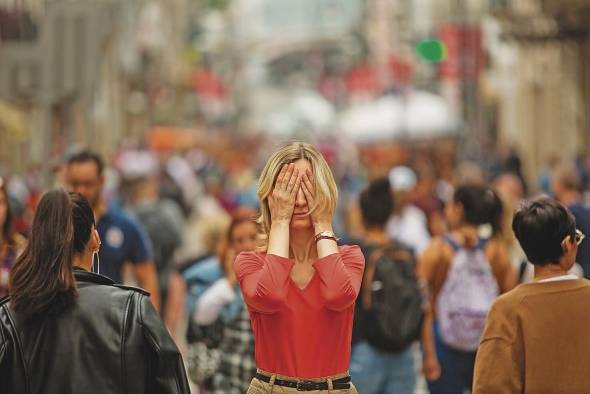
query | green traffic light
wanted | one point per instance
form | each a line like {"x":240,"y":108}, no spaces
{"x":432,"y":51}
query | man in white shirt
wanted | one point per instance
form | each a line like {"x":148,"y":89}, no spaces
{"x":408,"y":224}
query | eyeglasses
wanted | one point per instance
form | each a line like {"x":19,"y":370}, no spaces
{"x":579,"y":237}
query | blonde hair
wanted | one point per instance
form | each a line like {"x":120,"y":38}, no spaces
{"x":326,"y":192}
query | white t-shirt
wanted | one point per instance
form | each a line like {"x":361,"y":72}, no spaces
{"x":559,"y":278}
{"x":411,"y":228}
{"x":212,"y":302}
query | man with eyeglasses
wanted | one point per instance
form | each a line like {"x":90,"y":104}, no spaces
{"x":536,"y":340}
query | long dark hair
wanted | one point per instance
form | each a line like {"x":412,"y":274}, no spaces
{"x":42,"y":280}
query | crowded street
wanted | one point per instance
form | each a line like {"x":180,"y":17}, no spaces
{"x":274,"y":196}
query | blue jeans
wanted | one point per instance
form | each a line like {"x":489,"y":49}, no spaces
{"x":456,"y":368}
{"x":376,"y":372}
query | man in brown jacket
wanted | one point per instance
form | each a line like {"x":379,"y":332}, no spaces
{"x":536,"y":337}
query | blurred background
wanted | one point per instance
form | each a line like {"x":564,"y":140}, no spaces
{"x":485,"y":79}
{"x":186,"y":99}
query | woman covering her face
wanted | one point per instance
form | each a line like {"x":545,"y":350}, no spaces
{"x":300,"y":286}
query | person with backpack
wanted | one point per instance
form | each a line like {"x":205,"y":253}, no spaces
{"x":163,"y":222}
{"x":389,"y":312}
{"x":464,"y":272}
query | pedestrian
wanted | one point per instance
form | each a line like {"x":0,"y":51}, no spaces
{"x":408,"y":223}
{"x":535,"y":339}
{"x":300,"y":287}
{"x":464,"y":273}
{"x":389,"y":312}
{"x":223,"y":303}
{"x":162,"y":220}
{"x":64,"y":329}
{"x":567,"y":188}
{"x":125,"y":241}
{"x":188,"y":284}
{"x":11,"y":242}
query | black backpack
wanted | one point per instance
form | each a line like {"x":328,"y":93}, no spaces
{"x":392,"y":302}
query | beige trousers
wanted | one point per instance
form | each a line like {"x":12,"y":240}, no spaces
{"x":260,"y":387}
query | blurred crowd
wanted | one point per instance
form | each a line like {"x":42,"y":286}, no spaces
{"x":173,"y":221}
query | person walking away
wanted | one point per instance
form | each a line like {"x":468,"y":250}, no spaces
{"x":11,"y":243}
{"x":163,"y":222}
{"x":300,"y":288}
{"x":188,"y":284}
{"x":389,"y":313}
{"x":535,"y":338}
{"x":567,"y":189}
{"x":408,"y":223}
{"x":66,"y":330}
{"x":223,"y":303}
{"x":125,"y":240}
{"x":464,"y":272}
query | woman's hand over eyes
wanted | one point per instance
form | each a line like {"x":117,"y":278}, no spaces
{"x":281,"y":201}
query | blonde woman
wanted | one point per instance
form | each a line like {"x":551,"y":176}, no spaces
{"x":300,"y":287}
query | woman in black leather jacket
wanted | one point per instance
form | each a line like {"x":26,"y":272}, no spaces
{"x":66,"y":330}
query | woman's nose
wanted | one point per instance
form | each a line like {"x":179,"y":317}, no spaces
{"x":300,"y":200}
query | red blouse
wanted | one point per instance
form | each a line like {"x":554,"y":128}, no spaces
{"x":304,"y":333}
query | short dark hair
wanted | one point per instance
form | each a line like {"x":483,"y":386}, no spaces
{"x":540,"y":225}
{"x":376,"y":203}
{"x":87,"y":156}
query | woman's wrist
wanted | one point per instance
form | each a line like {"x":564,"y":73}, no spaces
{"x":280,"y":224}
{"x":278,"y":239}
{"x":322,"y":226}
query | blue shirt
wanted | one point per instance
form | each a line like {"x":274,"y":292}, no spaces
{"x":582,"y":215}
{"x":123,"y":240}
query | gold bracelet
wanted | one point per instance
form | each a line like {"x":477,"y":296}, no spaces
{"x":325,"y":235}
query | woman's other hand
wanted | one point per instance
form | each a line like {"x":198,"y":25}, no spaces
{"x":321,"y":216}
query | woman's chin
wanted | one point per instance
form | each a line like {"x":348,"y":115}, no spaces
{"x":301,"y":223}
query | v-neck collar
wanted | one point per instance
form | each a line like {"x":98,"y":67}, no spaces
{"x":308,"y":283}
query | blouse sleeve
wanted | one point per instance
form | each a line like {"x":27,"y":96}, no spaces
{"x":263,"y":279}
{"x":341,"y":275}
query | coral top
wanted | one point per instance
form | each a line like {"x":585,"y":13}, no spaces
{"x":304,"y":333}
